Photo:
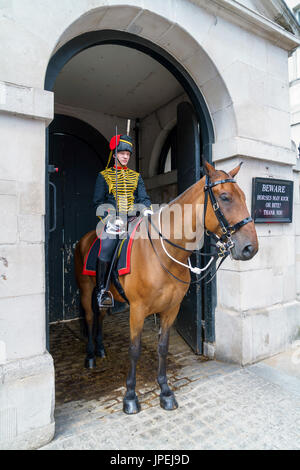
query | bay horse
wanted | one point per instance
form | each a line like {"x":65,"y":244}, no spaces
{"x":159,"y":279}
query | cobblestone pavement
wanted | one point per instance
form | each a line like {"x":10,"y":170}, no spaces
{"x":221,"y":406}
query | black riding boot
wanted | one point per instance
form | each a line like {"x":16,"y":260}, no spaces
{"x":104,"y":298}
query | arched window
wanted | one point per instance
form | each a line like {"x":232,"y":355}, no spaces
{"x":168,"y":155}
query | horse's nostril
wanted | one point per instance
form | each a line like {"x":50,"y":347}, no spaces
{"x":247,"y":251}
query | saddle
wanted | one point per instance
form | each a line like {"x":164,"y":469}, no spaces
{"x":122,"y":257}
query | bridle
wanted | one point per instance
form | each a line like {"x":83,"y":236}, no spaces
{"x":223,"y":244}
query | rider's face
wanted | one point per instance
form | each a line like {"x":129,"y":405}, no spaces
{"x":123,"y":157}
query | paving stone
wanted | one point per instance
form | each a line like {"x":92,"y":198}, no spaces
{"x":221,"y":406}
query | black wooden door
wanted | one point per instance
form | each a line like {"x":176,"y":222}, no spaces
{"x":79,"y":152}
{"x":189,"y":320}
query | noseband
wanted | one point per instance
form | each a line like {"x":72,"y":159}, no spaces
{"x":223,"y":245}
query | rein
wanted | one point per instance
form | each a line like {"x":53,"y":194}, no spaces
{"x":223,"y":245}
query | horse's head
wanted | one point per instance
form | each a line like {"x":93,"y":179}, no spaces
{"x":232,"y":203}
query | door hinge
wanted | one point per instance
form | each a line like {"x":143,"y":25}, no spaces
{"x":52,"y":169}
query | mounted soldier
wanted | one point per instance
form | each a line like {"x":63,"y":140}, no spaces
{"x":122,"y":189}
{"x":224,"y":216}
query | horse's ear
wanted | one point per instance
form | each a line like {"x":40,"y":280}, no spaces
{"x":235,"y":170}
{"x":209,"y":169}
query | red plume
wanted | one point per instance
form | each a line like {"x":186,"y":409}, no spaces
{"x":112,"y":144}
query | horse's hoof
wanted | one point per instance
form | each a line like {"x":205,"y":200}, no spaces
{"x":168,"y":402}
{"x":131,"y":406}
{"x":101,"y":353}
{"x":90,"y":363}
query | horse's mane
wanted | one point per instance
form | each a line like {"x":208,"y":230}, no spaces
{"x":173,"y":201}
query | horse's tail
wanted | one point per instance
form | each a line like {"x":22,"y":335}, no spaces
{"x":80,"y":250}
{"x":78,"y":269}
{"x":78,"y":263}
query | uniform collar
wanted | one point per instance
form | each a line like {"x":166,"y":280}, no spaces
{"x":121,"y":167}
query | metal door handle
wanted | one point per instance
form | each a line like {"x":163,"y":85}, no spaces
{"x":54,"y":207}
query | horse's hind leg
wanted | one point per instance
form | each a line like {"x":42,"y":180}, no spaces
{"x":98,"y":319}
{"x":100,"y":350}
{"x":167,"y":397}
{"x":86,"y":301}
{"x":130,"y":403}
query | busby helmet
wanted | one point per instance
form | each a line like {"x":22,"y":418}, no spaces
{"x":123,"y":143}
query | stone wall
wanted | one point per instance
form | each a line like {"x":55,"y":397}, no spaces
{"x":26,"y":368}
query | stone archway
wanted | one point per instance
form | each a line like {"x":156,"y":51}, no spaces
{"x":155,"y":28}
{"x":156,"y":34}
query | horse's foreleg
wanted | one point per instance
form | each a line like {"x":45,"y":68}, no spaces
{"x":130,"y":403}
{"x":167,"y":397}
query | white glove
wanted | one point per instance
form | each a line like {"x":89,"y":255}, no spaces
{"x":119,"y":222}
{"x":147,"y":211}
{"x":117,"y":226}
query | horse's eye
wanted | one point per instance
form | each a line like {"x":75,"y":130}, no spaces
{"x":224,"y":197}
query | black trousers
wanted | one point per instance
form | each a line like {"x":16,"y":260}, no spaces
{"x":108,"y":246}
{"x":109,"y":243}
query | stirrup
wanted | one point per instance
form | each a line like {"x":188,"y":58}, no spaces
{"x":108,"y":301}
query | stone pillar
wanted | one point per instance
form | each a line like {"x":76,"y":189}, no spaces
{"x":26,"y":368}
{"x":297,"y":231}
{"x":294,"y":76}
{"x":258,"y":314}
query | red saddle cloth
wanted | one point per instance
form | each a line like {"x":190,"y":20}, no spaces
{"x":124,"y":255}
